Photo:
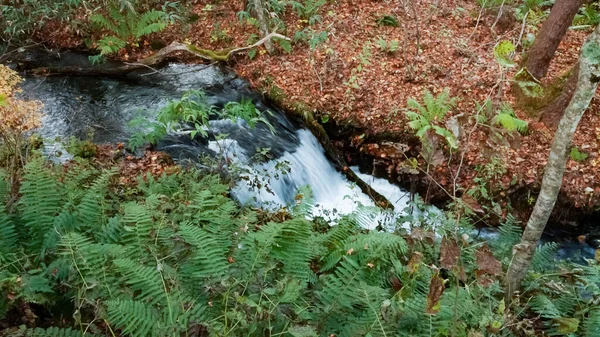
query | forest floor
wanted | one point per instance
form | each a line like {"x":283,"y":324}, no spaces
{"x":349,"y":80}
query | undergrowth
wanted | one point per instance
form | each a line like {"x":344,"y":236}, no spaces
{"x":174,"y":255}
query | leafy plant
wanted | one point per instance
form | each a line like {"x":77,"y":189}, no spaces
{"x":588,"y":15}
{"x":308,"y":10}
{"x":577,"y":155}
{"x":425,"y":117}
{"x":190,"y":115}
{"x":507,"y":118}
{"x":313,"y":38}
{"x":127,"y":26}
{"x":387,"y":46}
{"x":387,"y":20}
{"x":503,"y":51}
{"x":178,"y":257}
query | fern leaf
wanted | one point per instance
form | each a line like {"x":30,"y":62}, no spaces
{"x":210,"y":252}
{"x":41,"y":201}
{"x":592,"y":323}
{"x":144,"y":280}
{"x":92,"y":207}
{"x":103,"y":22}
{"x":134,"y":318}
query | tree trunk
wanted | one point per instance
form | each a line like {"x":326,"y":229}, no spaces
{"x":553,"y":113}
{"x":587,"y":83}
{"x":262,"y":20}
{"x":549,"y":37}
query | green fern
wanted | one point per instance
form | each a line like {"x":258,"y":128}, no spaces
{"x":144,"y":280}
{"x":127,"y":27}
{"x":42,"y":200}
{"x":134,"y":318}
{"x":423,"y":117}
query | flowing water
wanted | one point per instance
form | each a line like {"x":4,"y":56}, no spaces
{"x":100,"y":109}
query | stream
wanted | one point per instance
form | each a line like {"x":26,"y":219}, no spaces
{"x":97,"y":108}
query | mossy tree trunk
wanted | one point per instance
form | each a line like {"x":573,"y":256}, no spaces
{"x":549,"y":37}
{"x":587,"y":83}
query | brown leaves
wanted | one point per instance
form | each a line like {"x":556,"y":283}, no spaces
{"x":449,"y":253}
{"x":488,"y":266}
{"x":436,"y":289}
{"x":487,"y":262}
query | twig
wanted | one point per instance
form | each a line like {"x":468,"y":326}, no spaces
{"x":522,"y":29}
{"x":478,"y":19}
{"x":499,"y":15}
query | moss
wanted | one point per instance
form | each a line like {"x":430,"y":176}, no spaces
{"x":534,"y":106}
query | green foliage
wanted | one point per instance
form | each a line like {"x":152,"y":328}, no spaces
{"x":314,"y":39}
{"x":22,"y":17}
{"x":389,"y":47}
{"x":588,"y":15}
{"x":577,"y":155}
{"x":503,"y":51}
{"x":387,"y":20}
{"x":308,"y":10}
{"x":192,"y":110}
{"x":177,"y":256}
{"x":425,"y":117}
{"x":507,"y":119}
{"x":127,"y":26}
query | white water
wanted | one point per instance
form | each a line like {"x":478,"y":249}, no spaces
{"x":332,"y":193}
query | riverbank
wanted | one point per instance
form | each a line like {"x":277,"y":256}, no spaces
{"x":348,"y":81}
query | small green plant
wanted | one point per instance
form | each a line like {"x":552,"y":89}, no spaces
{"x":308,"y":10}
{"x":427,"y":116}
{"x":387,"y":20}
{"x":314,"y":39}
{"x":507,"y":118}
{"x":589,"y":15}
{"x":193,"y":112}
{"x":81,"y":148}
{"x":219,"y":35}
{"x":21,"y":18}
{"x":577,"y":155}
{"x":364,"y":60}
{"x":126,"y":26}
{"x":503,"y":52}
{"x":389,"y":47}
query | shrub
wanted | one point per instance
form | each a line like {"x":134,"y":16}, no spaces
{"x":17,"y":118}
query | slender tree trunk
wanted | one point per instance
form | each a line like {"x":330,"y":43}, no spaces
{"x":263,"y":21}
{"x":549,"y":37}
{"x":587,"y":83}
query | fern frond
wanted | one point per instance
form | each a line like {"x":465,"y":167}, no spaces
{"x":92,"y":207}
{"x":342,"y":289}
{"x":544,"y":257}
{"x":103,"y":22}
{"x":110,"y":45}
{"x":134,"y":318}
{"x":145,"y":281}
{"x":209,"y":257}
{"x":8,"y":239}
{"x":592,"y":323}
{"x":41,"y":201}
